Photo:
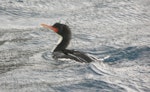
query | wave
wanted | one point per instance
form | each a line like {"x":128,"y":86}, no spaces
{"x":113,"y":55}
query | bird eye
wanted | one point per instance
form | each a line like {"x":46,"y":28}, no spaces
{"x":61,"y":29}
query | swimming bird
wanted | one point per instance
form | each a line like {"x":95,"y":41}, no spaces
{"x":60,"y":51}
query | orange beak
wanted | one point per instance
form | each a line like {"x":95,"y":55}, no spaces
{"x":50,"y":27}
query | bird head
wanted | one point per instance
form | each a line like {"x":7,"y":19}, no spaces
{"x":59,"y":28}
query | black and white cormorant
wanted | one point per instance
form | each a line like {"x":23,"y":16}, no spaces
{"x":60,"y":51}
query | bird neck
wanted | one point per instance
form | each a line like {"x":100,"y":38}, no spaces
{"x":63,"y":44}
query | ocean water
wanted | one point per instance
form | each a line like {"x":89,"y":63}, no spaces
{"x":115,"y":32}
